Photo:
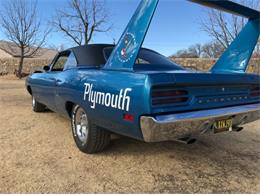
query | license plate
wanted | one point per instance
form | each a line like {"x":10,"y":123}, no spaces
{"x":223,"y":125}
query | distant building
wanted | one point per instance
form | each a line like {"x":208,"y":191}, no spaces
{"x":10,"y":50}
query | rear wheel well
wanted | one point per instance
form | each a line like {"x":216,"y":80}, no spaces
{"x":69,"y":106}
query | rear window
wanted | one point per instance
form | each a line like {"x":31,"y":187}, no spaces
{"x":149,"y":60}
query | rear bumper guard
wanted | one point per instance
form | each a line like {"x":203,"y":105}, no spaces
{"x":191,"y":124}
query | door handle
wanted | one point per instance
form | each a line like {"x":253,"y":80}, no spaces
{"x":58,"y":81}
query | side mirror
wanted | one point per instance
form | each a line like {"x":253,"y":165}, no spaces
{"x":46,"y":68}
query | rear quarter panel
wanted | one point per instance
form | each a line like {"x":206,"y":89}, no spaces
{"x":74,"y":89}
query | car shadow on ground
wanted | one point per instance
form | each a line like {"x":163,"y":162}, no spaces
{"x":218,"y":148}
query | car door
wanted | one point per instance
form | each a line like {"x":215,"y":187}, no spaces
{"x":50,"y":80}
{"x":63,"y":83}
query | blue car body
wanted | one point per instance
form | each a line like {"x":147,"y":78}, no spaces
{"x":154,"y":102}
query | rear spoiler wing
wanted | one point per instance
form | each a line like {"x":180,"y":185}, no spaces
{"x":237,"y":56}
{"x":230,"y":7}
{"x":234,"y":59}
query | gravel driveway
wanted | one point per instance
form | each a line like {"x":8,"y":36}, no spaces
{"x":38,"y":155}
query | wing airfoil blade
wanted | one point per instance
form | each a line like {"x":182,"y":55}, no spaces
{"x":231,"y":7}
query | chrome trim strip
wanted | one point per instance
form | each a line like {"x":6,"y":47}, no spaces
{"x":206,"y":114}
{"x":175,"y":126}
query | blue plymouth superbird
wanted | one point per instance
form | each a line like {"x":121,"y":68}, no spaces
{"x":136,"y":92}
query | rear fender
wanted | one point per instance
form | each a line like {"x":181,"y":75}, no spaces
{"x":107,"y":96}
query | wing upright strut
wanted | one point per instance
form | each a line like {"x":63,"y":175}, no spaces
{"x":127,"y":49}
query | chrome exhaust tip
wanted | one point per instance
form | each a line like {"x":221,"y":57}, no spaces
{"x":237,"y":129}
{"x":187,"y":140}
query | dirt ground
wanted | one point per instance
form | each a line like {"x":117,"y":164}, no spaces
{"x":38,"y":155}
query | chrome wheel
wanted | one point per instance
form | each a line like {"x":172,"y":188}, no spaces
{"x":33,"y":101}
{"x":37,"y":106}
{"x":81,"y":125}
{"x":88,"y":137}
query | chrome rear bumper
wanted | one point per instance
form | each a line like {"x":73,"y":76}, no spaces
{"x":191,"y":124}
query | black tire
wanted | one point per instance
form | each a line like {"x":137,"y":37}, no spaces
{"x":96,"y":139}
{"x":37,"y":107}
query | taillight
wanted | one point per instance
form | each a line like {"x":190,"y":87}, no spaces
{"x":169,"y":101}
{"x":167,"y":95}
{"x":128,"y":117}
{"x":255,"y":91}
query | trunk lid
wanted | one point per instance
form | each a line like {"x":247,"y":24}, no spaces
{"x":185,"y":91}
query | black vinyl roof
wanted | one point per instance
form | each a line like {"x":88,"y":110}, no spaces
{"x":97,"y":54}
{"x":90,"y":54}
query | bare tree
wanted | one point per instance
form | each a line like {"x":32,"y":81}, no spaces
{"x":212,"y":50}
{"x":20,"y":24}
{"x":185,"y":53}
{"x":82,"y":20}
{"x":195,"y":50}
{"x":224,"y":28}
{"x":207,"y":50}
